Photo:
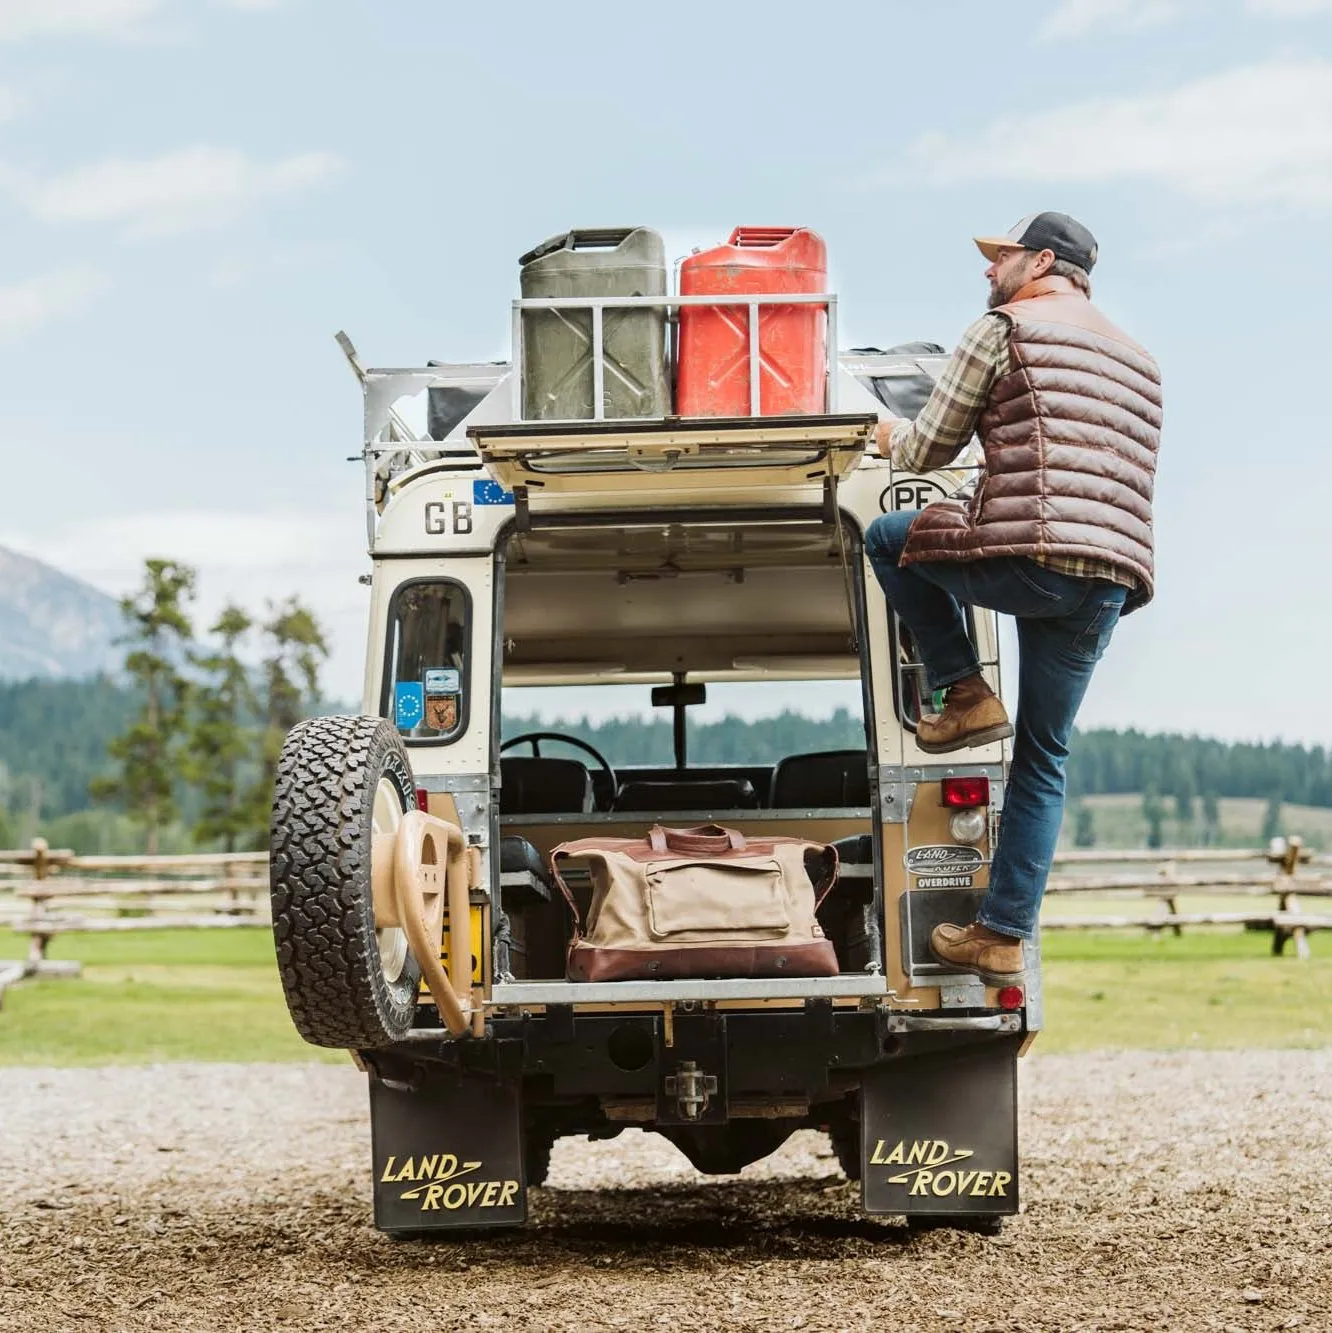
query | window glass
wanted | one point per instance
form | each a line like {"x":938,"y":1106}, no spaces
{"x":743,"y":722}
{"x":618,"y":719}
{"x":762,"y":721}
{"x":426,"y":671}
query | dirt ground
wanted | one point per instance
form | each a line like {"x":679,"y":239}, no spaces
{"x":1178,"y":1191}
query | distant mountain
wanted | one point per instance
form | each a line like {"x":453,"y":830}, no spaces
{"x":53,"y":626}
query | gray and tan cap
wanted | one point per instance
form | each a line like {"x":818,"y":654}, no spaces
{"x":1066,"y":236}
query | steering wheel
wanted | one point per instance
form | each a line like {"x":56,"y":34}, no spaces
{"x":534,"y":739}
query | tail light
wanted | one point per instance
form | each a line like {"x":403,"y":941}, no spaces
{"x":965,"y":793}
{"x":423,"y":799}
{"x":1010,"y":997}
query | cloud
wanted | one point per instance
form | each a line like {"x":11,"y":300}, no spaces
{"x":1076,"y":18}
{"x":182,"y":191}
{"x":36,"y":301}
{"x":1289,"y":8}
{"x":23,"y":19}
{"x":1258,"y":135}
{"x":13,"y":103}
{"x":20,"y":19}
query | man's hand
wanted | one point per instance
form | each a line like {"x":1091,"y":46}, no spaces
{"x":883,"y":433}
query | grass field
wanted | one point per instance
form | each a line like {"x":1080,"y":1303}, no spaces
{"x":1119,"y":822}
{"x":214,"y":995}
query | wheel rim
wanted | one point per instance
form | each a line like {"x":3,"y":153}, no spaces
{"x":385,"y":819}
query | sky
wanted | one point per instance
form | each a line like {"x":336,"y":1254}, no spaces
{"x":196,"y":194}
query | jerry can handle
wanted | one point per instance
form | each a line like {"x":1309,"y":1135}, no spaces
{"x":761,"y":236}
{"x":579,"y":238}
{"x":597,"y":238}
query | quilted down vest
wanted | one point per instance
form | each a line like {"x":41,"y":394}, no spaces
{"x":1070,"y":436}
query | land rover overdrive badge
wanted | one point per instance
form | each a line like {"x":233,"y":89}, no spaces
{"x":944,"y":865}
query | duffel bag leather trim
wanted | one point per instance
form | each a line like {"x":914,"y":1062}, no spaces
{"x":621,"y":941}
{"x":591,"y":962}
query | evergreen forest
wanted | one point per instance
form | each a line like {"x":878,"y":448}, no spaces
{"x":57,"y":742}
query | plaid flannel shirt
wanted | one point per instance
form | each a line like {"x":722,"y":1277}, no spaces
{"x":946,"y":423}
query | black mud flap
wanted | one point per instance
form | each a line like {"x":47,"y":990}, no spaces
{"x":939,"y":1132}
{"x":447,"y":1152}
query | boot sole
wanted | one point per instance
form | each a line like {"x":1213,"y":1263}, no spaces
{"x":999,"y":732}
{"x":989,"y":978}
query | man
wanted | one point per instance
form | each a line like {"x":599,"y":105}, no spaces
{"x":1057,"y":534}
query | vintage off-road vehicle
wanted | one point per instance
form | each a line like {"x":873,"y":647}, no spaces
{"x":415,"y":916}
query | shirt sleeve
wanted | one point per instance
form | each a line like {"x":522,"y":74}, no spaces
{"x":948,"y":419}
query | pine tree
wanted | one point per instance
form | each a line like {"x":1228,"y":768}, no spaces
{"x":221,"y":738}
{"x":1211,"y":812}
{"x":1153,"y":811}
{"x":1272,"y":819}
{"x":1084,"y":828}
{"x":146,"y":755}
{"x":296,"y":650}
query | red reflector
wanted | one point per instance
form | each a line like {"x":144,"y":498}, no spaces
{"x":422,"y":799}
{"x":964,"y":793}
{"x":1010,"y":997}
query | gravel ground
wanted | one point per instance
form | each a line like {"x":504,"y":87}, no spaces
{"x":1181,"y":1191}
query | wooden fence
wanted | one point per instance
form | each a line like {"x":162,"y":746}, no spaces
{"x":45,"y":893}
{"x":1286,"y":872}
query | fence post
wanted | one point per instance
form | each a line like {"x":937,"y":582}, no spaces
{"x":1172,"y":902}
{"x":1287,"y":900}
{"x":41,"y":867}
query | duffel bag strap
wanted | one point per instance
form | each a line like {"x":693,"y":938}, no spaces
{"x":558,"y":855}
{"x":830,"y":864}
{"x":705,"y":840}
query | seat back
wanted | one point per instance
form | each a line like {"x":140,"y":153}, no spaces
{"x":831,"y":779}
{"x":714,"y":794}
{"x":544,"y":786}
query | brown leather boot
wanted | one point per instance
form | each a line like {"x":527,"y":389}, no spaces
{"x":972,"y":715}
{"x":996,"y":959}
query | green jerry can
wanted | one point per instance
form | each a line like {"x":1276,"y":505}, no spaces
{"x":558,"y":378}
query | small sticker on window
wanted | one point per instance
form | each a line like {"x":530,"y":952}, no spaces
{"x":442,"y":680}
{"x":408,"y":704}
{"x":441,"y":711}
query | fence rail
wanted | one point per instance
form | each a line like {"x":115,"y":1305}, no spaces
{"x":1286,"y":882}
{"x":47,"y":892}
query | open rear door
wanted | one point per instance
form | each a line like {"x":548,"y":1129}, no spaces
{"x":697,"y":454}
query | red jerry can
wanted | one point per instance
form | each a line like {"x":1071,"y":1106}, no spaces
{"x":714,"y":349}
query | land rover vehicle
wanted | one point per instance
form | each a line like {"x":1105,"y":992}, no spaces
{"x":663,"y":555}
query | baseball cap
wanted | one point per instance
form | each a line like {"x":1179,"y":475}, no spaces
{"x":1066,"y":236}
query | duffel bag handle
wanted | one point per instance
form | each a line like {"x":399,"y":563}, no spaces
{"x":705,"y":840}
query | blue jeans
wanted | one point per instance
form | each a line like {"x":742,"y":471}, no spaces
{"x":1064,"y":625}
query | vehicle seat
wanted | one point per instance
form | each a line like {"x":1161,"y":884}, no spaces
{"x":855,"y":867}
{"x":828,"y":780}
{"x":531,"y":786}
{"x":715,"y":794}
{"x":524,"y":878}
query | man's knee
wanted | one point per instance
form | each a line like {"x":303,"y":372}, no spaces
{"x":886,"y":537}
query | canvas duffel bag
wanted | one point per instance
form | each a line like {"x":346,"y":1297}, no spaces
{"x":700,"y":902}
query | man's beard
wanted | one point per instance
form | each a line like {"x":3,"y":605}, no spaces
{"x":1001,"y":293}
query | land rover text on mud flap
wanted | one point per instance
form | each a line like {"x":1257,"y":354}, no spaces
{"x":530,"y":567}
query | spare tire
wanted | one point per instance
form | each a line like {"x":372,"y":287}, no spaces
{"x":340,"y":782}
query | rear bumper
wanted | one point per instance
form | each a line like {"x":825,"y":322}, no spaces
{"x":600,"y":1068}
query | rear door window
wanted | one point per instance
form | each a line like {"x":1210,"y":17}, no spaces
{"x":426,"y":675}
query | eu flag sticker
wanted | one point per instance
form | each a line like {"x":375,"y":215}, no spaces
{"x":490,"y":493}
{"x":408,"y":704}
